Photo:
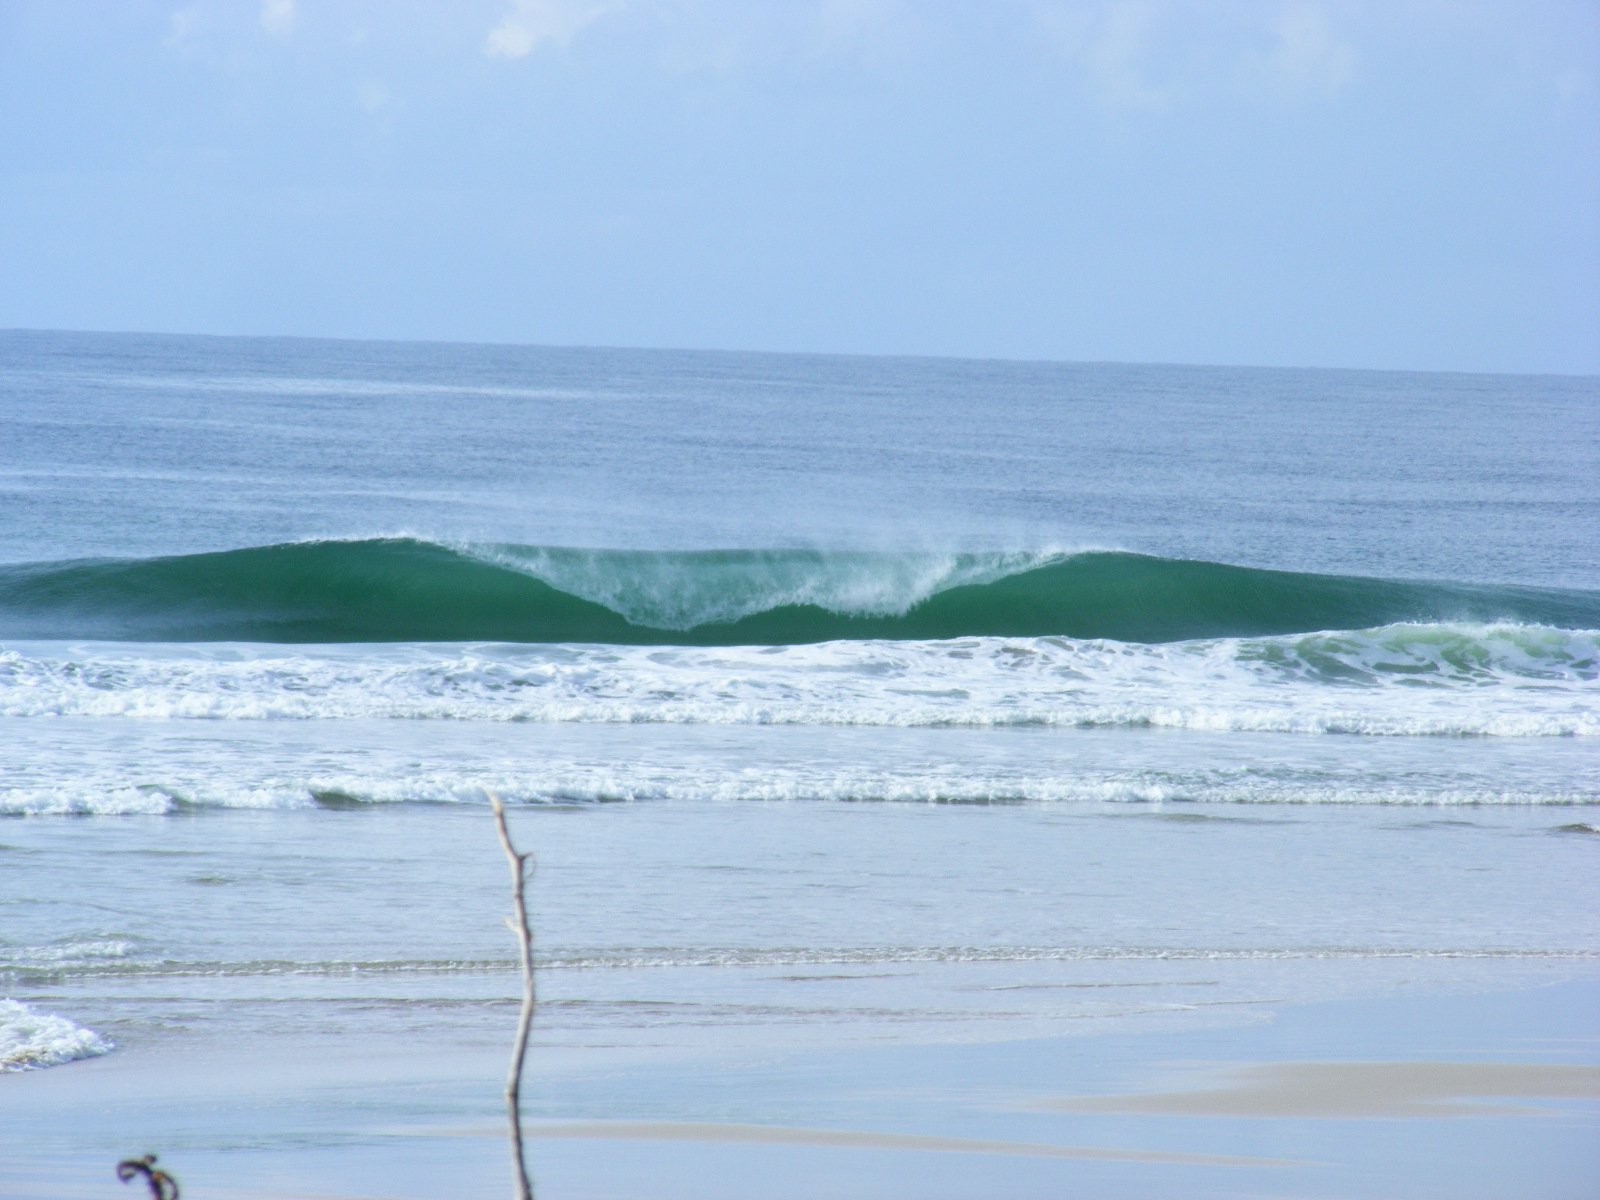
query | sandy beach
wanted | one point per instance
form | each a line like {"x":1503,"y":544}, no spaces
{"x":330,"y":1011}
{"x":1459,"y":1094}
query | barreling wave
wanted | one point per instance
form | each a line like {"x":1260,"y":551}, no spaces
{"x":409,"y":590}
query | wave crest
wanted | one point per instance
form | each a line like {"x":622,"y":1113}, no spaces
{"x":408,"y":590}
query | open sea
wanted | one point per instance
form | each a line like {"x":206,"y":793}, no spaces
{"x":840,"y":698}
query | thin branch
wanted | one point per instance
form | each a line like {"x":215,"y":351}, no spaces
{"x":521,"y":868}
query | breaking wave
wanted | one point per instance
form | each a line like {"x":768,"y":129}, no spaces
{"x":409,"y":590}
{"x":29,"y":1039}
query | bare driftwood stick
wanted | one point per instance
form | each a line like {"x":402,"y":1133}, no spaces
{"x":520,"y":869}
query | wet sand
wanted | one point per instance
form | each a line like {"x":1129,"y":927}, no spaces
{"x":857,"y":1139}
{"x":1373,"y":1090}
{"x":1463,"y":1095}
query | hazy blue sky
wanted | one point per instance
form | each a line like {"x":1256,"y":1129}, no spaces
{"x":1397,"y":184}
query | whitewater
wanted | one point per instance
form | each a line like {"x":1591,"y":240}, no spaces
{"x":1396,"y":680}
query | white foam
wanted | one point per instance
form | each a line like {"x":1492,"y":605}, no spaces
{"x":85,"y":795}
{"x":559,"y":780}
{"x":70,"y":952}
{"x":1399,"y":681}
{"x":30,"y":1039}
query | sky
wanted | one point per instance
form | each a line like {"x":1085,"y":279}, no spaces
{"x":1409,"y":184}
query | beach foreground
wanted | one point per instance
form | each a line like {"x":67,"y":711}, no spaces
{"x":1453,"y":1093}
{"x":1023,"y":1000}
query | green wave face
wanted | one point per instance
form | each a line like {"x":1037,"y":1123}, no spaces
{"x":384,"y":590}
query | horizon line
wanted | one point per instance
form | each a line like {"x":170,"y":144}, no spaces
{"x":858,"y":354}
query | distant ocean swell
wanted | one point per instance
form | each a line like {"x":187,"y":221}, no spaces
{"x":408,"y":590}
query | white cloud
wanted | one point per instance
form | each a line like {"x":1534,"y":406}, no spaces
{"x":181,"y":26}
{"x":1118,"y":54}
{"x":1163,"y":55}
{"x":531,"y":23}
{"x":277,"y":17}
{"x":1123,"y":49}
{"x":1308,"y":55}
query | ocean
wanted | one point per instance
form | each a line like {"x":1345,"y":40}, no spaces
{"x":842,"y":700}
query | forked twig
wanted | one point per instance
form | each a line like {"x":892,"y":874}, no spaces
{"x":521,"y":867}
{"x":162,"y":1186}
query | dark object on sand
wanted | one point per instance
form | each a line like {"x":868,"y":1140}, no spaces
{"x":162,"y":1186}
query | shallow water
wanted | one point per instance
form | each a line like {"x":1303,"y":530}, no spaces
{"x":658,"y":922}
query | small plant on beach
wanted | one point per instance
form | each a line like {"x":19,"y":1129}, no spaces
{"x":521,"y":867}
{"x":162,"y":1186}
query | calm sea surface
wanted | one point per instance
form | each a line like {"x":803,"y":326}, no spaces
{"x":853,"y":697}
